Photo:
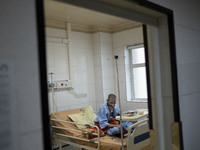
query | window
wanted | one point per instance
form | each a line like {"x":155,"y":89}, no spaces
{"x":136,"y":83}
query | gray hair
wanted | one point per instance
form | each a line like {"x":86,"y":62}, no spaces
{"x":111,"y":97}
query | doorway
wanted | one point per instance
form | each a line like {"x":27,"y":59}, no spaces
{"x":162,"y":76}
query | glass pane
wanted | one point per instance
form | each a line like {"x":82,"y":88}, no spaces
{"x":140,"y":86}
{"x":138,"y":55}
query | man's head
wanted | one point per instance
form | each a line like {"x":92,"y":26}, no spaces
{"x":111,"y":101}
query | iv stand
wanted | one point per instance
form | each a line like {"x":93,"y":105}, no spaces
{"x":121,"y":128}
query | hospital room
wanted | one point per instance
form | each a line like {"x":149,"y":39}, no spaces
{"x":89,"y":56}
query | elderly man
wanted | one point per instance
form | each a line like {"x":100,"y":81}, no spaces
{"x":106,"y":117}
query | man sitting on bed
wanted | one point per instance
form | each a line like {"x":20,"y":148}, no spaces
{"x":106,"y":117}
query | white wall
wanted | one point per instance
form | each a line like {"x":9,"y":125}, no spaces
{"x":106,"y":46}
{"x":107,"y":65}
{"x":187,"y":36}
{"x":104,"y":69}
{"x":80,"y":69}
{"x":92,"y":67}
{"x":121,"y":39}
{"x":83,"y":65}
{"x":98,"y":72}
{"x":19,"y":47}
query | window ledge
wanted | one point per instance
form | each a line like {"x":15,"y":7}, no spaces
{"x":137,"y":101}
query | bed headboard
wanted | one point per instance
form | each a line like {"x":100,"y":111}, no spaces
{"x":63,"y":115}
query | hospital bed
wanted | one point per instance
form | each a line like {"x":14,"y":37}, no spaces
{"x":65,"y":131}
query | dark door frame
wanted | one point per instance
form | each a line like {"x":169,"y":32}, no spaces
{"x":43,"y":69}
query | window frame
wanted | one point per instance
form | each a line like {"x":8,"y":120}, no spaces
{"x":131,"y":76}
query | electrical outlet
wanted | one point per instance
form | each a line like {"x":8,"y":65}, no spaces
{"x":63,"y":84}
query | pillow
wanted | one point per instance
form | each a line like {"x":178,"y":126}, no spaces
{"x":86,"y":116}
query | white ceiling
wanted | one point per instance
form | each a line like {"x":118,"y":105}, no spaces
{"x":58,"y":14}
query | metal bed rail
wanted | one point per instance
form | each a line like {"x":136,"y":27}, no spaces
{"x":80,"y":131}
